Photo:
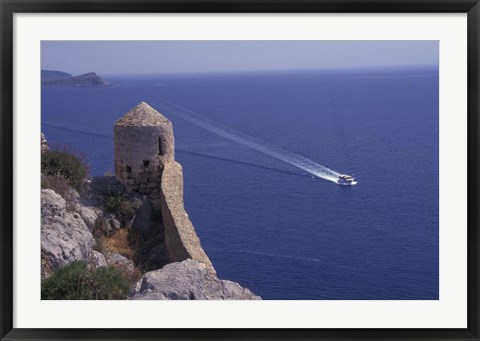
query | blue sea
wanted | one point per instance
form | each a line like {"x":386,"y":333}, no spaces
{"x":265,"y":223}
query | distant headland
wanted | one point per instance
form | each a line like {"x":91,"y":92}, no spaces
{"x":63,"y":79}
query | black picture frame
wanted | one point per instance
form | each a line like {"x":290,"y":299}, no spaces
{"x":9,"y":7}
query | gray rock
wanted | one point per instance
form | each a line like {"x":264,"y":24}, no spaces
{"x":52,"y":204}
{"x":122,"y":263}
{"x":101,"y":227}
{"x":116,"y":258}
{"x":98,"y":259}
{"x":64,"y":236}
{"x":105,"y":225}
{"x":114,"y":223}
{"x":188,"y":280}
{"x":72,"y":199}
{"x":89,"y":215}
{"x":43,"y":143}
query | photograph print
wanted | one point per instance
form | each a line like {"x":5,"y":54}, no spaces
{"x":240,"y":170}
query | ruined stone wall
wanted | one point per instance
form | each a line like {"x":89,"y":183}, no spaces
{"x":144,"y":162}
{"x":181,"y":239}
{"x":139,"y":156}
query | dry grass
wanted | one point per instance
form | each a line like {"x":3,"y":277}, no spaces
{"x":118,"y":242}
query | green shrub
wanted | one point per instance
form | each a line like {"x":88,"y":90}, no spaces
{"x":56,"y":182}
{"x":98,"y":246}
{"x":113,"y":202}
{"x":76,"y":282}
{"x":61,"y":186}
{"x":119,"y":205}
{"x":126,"y":210}
{"x":70,"y":165}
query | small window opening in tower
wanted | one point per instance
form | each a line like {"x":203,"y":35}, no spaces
{"x":160,"y":150}
{"x":129,"y":169}
{"x":146,"y":163}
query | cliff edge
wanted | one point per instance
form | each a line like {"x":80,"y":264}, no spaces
{"x":134,"y":221}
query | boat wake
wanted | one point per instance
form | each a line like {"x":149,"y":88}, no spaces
{"x":299,"y":161}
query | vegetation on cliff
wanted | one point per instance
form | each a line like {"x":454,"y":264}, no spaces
{"x":63,"y":166}
{"x":76,"y":209}
{"x":77,"y":281}
{"x":119,"y":205}
{"x":96,"y":236}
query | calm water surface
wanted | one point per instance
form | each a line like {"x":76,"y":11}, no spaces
{"x":267,"y":224}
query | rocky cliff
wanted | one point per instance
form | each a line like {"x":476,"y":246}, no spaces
{"x":158,"y":250}
{"x":64,"y":235}
{"x":188,"y":280}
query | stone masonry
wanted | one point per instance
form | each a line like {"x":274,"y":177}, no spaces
{"x":144,"y":162}
{"x":143,"y":143}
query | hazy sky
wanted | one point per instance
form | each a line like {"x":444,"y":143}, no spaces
{"x":154,"y":57}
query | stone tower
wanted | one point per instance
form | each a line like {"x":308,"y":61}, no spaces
{"x":143,"y":144}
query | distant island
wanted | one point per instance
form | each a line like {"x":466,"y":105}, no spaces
{"x":62,"y":79}
{"x":51,"y":74}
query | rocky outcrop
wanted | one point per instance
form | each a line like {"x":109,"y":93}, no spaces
{"x":98,"y":259}
{"x":117,"y":260}
{"x":89,"y":215}
{"x":86,"y":80}
{"x":64,"y":236}
{"x":123,"y":264}
{"x":188,"y":280}
{"x":52,"y":74}
{"x":43,"y":143}
{"x":160,"y":233}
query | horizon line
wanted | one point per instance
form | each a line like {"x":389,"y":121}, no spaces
{"x":345,"y":68}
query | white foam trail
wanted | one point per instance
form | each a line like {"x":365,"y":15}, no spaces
{"x":254,"y":143}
